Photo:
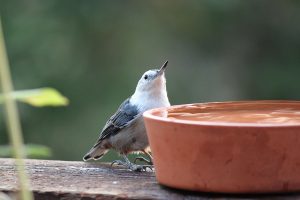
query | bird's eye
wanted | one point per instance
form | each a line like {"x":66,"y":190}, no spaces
{"x":146,"y":77}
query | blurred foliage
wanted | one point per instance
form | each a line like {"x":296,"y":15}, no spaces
{"x":39,"y":97}
{"x":31,"y":151}
{"x":13,"y":121}
{"x":94,"y":52}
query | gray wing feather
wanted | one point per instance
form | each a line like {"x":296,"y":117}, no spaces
{"x":125,"y":114}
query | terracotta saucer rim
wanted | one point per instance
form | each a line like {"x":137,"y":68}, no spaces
{"x":149,"y":115}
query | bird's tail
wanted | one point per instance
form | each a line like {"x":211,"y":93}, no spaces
{"x":95,"y":153}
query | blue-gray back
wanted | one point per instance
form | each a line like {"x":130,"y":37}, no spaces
{"x":125,"y":114}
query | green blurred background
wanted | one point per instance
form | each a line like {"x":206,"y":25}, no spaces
{"x":95,"y":51}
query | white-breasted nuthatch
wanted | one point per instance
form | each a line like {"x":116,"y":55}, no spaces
{"x":125,"y":131}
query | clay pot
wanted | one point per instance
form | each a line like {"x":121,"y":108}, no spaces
{"x":234,"y":156}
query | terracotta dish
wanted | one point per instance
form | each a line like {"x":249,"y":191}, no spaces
{"x":230,"y":147}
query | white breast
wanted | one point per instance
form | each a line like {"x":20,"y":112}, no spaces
{"x":150,"y":100}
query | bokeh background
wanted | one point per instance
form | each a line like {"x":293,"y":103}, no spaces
{"x":94,"y":52}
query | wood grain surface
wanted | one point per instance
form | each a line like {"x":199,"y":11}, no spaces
{"x":79,"y":180}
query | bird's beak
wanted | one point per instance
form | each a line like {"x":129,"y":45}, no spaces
{"x":162,"y":69}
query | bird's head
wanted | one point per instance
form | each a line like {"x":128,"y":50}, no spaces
{"x":152,"y":80}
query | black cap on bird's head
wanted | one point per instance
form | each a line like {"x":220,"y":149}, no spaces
{"x":153,"y":77}
{"x":154,"y":73}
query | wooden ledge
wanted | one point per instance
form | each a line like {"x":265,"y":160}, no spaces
{"x":79,"y":180}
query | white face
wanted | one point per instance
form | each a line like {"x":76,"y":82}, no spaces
{"x":151,"y":79}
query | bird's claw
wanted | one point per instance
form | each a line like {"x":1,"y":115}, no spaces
{"x":132,"y":166}
{"x":118,"y":162}
{"x":145,"y":167}
{"x":140,"y":168}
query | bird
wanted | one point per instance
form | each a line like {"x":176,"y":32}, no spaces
{"x":125,"y":130}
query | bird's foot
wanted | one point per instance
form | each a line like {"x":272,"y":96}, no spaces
{"x":140,"y":168}
{"x":132,"y":166}
{"x":118,"y":162}
{"x":149,"y":162}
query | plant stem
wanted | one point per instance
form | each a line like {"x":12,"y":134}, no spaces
{"x":13,"y":122}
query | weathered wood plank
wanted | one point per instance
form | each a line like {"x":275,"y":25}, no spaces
{"x":79,"y":180}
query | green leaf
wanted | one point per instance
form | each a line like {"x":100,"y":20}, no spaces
{"x":31,"y":151}
{"x":40,"y":97}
